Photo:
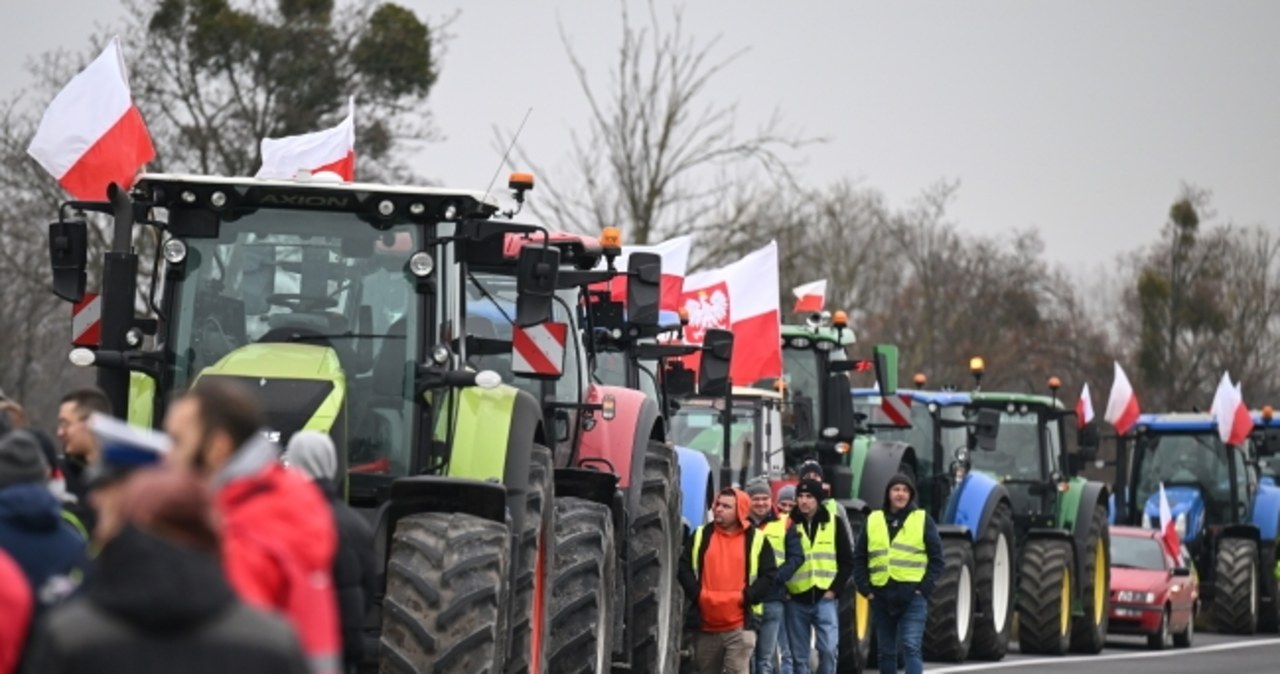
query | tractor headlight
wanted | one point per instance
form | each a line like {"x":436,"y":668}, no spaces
{"x":1180,"y":525}
{"x":175,"y":251}
{"x":1136,"y":597}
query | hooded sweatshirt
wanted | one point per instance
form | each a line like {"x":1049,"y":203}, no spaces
{"x":723,"y":594}
{"x":895,"y":595}
{"x":46,"y":547}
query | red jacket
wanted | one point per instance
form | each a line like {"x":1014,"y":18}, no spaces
{"x":278,"y":546}
{"x":16,"y":604}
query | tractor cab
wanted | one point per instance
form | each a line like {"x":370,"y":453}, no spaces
{"x":808,"y":353}
{"x":746,"y":441}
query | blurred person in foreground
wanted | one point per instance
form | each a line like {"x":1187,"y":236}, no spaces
{"x":159,"y":602}
{"x":16,"y":608}
{"x":354,"y":576}
{"x":278,"y":533}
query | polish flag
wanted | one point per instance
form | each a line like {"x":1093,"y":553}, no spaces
{"x":675,"y":262}
{"x":1229,"y":410}
{"x":743,"y":298}
{"x":810,"y":297}
{"x":332,"y":150}
{"x":92,"y":134}
{"x":1122,"y":406}
{"x":1084,"y":408}
{"x":1169,"y":532}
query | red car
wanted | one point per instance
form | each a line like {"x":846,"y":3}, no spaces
{"x":1152,"y":592}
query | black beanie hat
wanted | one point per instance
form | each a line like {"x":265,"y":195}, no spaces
{"x":812,"y":488}
{"x":811,"y":466}
{"x":900,"y":478}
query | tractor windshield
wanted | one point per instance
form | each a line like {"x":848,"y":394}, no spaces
{"x":802,"y":370}
{"x":697,"y":426}
{"x":1190,"y":460}
{"x":311,"y":278}
{"x":923,"y":433}
{"x":1019,"y":453}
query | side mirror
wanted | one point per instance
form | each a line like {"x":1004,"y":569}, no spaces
{"x":68,"y":256}
{"x":644,"y":288}
{"x":838,"y":421}
{"x":987,"y":429}
{"x":678,"y":380}
{"x":537,"y":270}
{"x":1182,"y":571}
{"x":1087,"y":442}
{"x":713,"y":369}
{"x":886,"y":362}
{"x":562,"y":425}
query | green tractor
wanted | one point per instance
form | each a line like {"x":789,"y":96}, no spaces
{"x":345,"y":307}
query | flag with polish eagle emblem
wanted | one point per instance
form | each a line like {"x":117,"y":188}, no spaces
{"x":1228,"y":409}
{"x":675,"y":262}
{"x":331,"y":150}
{"x":810,"y":297}
{"x":1084,"y":408}
{"x":1168,"y":529}
{"x":1122,"y":406}
{"x":92,"y":134}
{"x":743,"y":298}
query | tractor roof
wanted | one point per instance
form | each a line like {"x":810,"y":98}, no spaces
{"x":1018,"y":398}
{"x":944,"y":398}
{"x":843,"y":337}
{"x":1187,"y":422}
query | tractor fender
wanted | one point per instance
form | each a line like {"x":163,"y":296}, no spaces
{"x":972,"y":504}
{"x":697,"y":484}
{"x":436,"y":493}
{"x":1246,"y":531}
{"x":1083,"y":498}
{"x":1266,"y":512}
{"x":955,"y":531}
{"x":883,"y":460}
{"x":612,"y":444}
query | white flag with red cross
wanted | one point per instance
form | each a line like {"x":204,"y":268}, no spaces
{"x":675,"y":262}
{"x":743,"y":298}
{"x":331,"y":150}
{"x":92,"y":134}
{"x":538,"y":350}
{"x":810,"y":297}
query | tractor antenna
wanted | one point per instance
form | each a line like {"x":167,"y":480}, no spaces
{"x":510,"y":146}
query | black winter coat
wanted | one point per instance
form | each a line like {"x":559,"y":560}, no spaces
{"x":354,"y":575}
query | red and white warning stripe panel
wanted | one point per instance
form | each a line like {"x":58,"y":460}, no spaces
{"x":86,"y":321}
{"x":897,"y":409}
{"x":538,"y":350}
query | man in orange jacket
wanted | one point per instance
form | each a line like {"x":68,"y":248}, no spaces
{"x":727,"y":570}
{"x":279,"y":537}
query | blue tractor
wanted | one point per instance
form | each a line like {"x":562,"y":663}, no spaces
{"x":1225,"y":512}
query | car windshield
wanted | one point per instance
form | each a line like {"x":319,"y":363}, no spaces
{"x":1185,"y":459}
{"x":1136,"y":552}
{"x":320,"y":279}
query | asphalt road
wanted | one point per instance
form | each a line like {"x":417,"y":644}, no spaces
{"x":1212,"y":653}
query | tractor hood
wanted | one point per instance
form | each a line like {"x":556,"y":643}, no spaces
{"x":1185,"y":502}
{"x":300,"y":386}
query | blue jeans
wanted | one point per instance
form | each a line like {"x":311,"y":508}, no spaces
{"x":771,"y":637}
{"x":905,"y":631}
{"x":820,"y":620}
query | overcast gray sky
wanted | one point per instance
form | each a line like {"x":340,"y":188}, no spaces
{"x":1078,"y":118}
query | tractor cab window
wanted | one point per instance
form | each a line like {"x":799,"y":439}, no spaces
{"x":697,"y":425}
{"x":1194,"y":460}
{"x":920,"y":435}
{"x":1019,"y":448}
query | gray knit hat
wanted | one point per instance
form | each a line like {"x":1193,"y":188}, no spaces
{"x":758,"y":487}
{"x":787,"y":493}
{"x":21,"y":460}
{"x":312,"y":452}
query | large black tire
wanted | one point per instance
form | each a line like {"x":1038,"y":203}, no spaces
{"x":1089,"y":631}
{"x":948,"y":630}
{"x":584,"y":578}
{"x":530,"y":591}
{"x":857,"y":633}
{"x":1044,"y":597}
{"x":994,"y":562}
{"x":447,"y":589}
{"x":657,"y":603}
{"x":1269,"y":616}
{"x":1235,"y":591}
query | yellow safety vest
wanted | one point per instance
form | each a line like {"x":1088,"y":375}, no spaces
{"x":753,"y":562}
{"x":776,"y":532}
{"x":903,"y":558}
{"x":819,"y":568}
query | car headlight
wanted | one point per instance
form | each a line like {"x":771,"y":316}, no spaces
{"x":1146,"y":521}
{"x":1136,"y":597}
{"x":1180,"y":525}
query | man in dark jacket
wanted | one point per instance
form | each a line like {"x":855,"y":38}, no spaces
{"x":49,"y":550}
{"x":159,"y":602}
{"x":896,"y":565}
{"x":354,"y":575}
{"x":827,"y":544}
{"x":727,"y":570}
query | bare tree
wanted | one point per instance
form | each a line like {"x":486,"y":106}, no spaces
{"x":658,"y":156}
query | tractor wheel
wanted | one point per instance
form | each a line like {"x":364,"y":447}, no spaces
{"x":1044,"y":597}
{"x":530,"y":592}
{"x":1089,"y":632}
{"x":949,"y":626}
{"x":856,"y":632}
{"x":447,"y":591}
{"x":994,"y":571}
{"x":1235,"y":591}
{"x":657,"y":603}
{"x":584,"y":577}
{"x":1269,"y":618}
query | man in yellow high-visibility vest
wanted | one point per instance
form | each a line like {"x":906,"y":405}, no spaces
{"x":812,"y":608}
{"x":897,"y":561}
{"x":771,"y":638}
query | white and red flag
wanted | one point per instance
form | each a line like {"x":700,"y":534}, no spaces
{"x":1122,"y":406}
{"x":810,"y":297}
{"x":92,"y":134}
{"x":331,"y":150}
{"x":1229,"y":410}
{"x":675,"y":262}
{"x":1168,"y":530}
{"x":741,"y":297}
{"x":1084,"y":408}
